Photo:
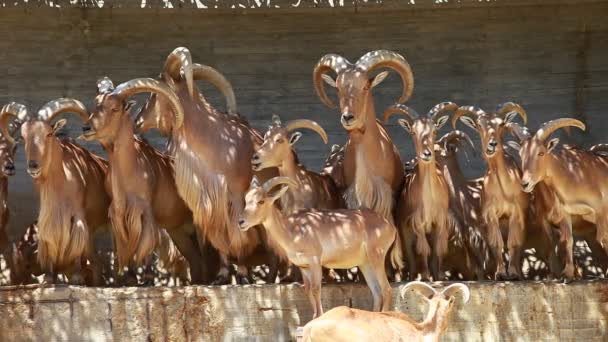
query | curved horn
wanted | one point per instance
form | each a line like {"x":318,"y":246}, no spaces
{"x":303,"y":123}
{"x":599,"y":148}
{"x":399,"y":108}
{"x":271,"y":183}
{"x":455,"y":137}
{"x":441,"y":108}
{"x":389,"y":59}
{"x":60,"y":106}
{"x":520,"y":132}
{"x":11,"y":111}
{"x":211,"y":75}
{"x":454,"y":289}
{"x":466,"y":110}
{"x":551,"y":126}
{"x":511,"y":107}
{"x":144,"y":85}
{"x":178,"y":65}
{"x":425,"y":289}
{"x":329,"y":62}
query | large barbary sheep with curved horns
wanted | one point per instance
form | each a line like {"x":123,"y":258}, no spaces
{"x":569,"y":184}
{"x":212,"y":153}
{"x":71,"y":184}
{"x":144,"y":196}
{"x":373,"y":171}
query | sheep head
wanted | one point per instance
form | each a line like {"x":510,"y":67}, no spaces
{"x":259,"y":200}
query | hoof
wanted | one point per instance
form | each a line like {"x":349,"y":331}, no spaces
{"x":77,"y":280}
{"x":221,"y":280}
{"x":501,"y":276}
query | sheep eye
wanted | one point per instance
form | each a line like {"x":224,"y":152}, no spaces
{"x":260,"y":202}
{"x":540,"y":154}
{"x":280,"y":141}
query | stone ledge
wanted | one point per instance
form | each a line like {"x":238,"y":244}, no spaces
{"x":497,"y":311}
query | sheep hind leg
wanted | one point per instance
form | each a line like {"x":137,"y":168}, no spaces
{"x":567,"y":245}
{"x":308,"y":288}
{"x":496,"y":246}
{"x":191,"y":251}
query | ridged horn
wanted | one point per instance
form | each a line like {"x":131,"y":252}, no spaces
{"x":399,"y":108}
{"x":551,"y":126}
{"x":273,"y":182}
{"x":388,"y":59}
{"x":303,"y":123}
{"x":60,"y":106}
{"x":454,"y":289}
{"x":179,"y":64}
{"x":466,"y":110}
{"x":441,"y":108}
{"x":12,"y":112}
{"x":511,"y":107}
{"x":455,"y":137}
{"x":211,"y":75}
{"x":327,"y":63}
{"x":521,"y":133}
{"x":423,"y":288}
{"x":145,"y":85}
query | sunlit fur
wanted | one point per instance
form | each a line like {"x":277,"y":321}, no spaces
{"x":569,"y":184}
{"x":73,"y":200}
{"x":423,"y":208}
{"x":23,"y":262}
{"x":348,"y":324}
{"x":372,"y":168}
{"x":212,"y":153}
{"x":313,"y":239}
{"x":465,"y":203}
{"x":313,"y":190}
{"x":504,"y":203}
{"x":144,"y":196}
{"x":7,"y":167}
{"x":172,"y":260}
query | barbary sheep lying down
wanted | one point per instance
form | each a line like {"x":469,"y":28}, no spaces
{"x":348,"y":324}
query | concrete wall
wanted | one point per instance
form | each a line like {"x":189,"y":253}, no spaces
{"x":549,"y":56}
{"x":519,"y":311}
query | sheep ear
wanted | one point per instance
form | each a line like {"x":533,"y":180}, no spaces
{"x":441,"y":121}
{"x":510,"y":117}
{"x":59,"y":125}
{"x":514,"y":145}
{"x":329,"y":80}
{"x":129,"y":105}
{"x":405,"y":124}
{"x":552,"y":143}
{"x":255,"y":183}
{"x":277,"y":194}
{"x":469,"y":122}
{"x":379,"y":78}
{"x":294,"y":138}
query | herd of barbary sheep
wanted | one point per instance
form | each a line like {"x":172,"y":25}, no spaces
{"x":224,"y":195}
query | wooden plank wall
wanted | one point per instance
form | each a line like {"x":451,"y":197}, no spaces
{"x":552,"y":59}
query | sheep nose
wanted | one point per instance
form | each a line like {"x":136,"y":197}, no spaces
{"x":10,"y":166}
{"x":493,"y":143}
{"x":241,"y":223}
{"x":348,"y":117}
{"x":32,"y":164}
{"x":256,"y":157}
{"x":427,"y":153}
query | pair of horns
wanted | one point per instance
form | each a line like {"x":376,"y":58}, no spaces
{"x":17,"y":114}
{"x":179,"y":65}
{"x":455,"y":138}
{"x":548,"y":128}
{"x":427,"y":291}
{"x":302,"y":123}
{"x":433,"y":114}
{"x":369,"y":62}
{"x":506,"y":111}
{"x":274,"y":182}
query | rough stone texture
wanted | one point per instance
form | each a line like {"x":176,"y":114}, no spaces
{"x":550,"y":56}
{"x":523,"y":311}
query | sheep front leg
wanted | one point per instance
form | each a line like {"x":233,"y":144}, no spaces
{"x":567,"y":245}
{"x":515,"y":245}
{"x":424,"y":251}
{"x":496,"y":245}
{"x":440,"y":249}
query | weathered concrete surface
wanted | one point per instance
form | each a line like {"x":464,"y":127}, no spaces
{"x":524,"y":311}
